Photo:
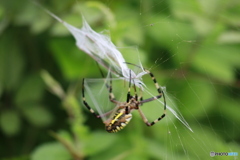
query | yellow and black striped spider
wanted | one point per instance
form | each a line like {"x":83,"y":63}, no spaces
{"x":122,"y":114}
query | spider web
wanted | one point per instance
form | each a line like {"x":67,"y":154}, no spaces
{"x":174,"y":140}
{"x":212,"y":124}
{"x":102,"y":50}
{"x":214,"y":129}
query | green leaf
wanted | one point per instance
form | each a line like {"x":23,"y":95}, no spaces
{"x":185,"y":8}
{"x":31,"y":90}
{"x":172,"y":32}
{"x":59,"y":29}
{"x":11,"y":61}
{"x":39,"y":26}
{"x":53,"y":85}
{"x":103,"y":8}
{"x":51,"y":151}
{"x":4,"y":21}
{"x":1,"y":91}
{"x":197,"y":12}
{"x":37,"y":115}
{"x":231,"y":15}
{"x":63,"y":136}
{"x":33,"y":16}
{"x":10,"y":122}
{"x":214,"y":61}
{"x":157,"y":150}
{"x":128,"y":31}
{"x":203,"y":140}
{"x":229,"y":37}
{"x":197,"y":96}
{"x":99,"y":142}
{"x":94,"y":11}
{"x":68,"y":57}
{"x":228,"y":114}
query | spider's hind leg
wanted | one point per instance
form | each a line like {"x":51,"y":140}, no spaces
{"x":146,"y":120}
{"x":160,"y":94}
{"x":160,"y":91}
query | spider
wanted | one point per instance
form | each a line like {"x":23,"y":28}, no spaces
{"x":122,"y":114}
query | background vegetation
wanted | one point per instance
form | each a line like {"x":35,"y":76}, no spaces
{"x":193,"y":47}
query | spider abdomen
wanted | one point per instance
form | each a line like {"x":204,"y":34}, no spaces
{"x":118,"y":122}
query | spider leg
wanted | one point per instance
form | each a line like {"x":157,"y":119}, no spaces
{"x":135,"y":91}
{"x":111,"y":95}
{"x":109,"y":87}
{"x":140,"y":98}
{"x":111,"y":98}
{"x":160,"y":91}
{"x":156,"y":84}
{"x":161,"y":94}
{"x":129,"y":87}
{"x":86,"y":104}
{"x":129,"y":97}
{"x":89,"y":108}
{"x":146,"y":120}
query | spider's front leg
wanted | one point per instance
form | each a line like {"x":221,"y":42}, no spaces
{"x":85,"y":102}
{"x":88,"y":106}
{"x":111,"y":95}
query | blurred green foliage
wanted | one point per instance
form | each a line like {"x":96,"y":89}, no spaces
{"x":193,"y":47}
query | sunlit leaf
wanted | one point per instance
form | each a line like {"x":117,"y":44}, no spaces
{"x":51,"y":151}
{"x":229,"y":37}
{"x":212,"y":61}
{"x":52,"y":84}
{"x":37,"y":115}
{"x":39,"y":26}
{"x":59,"y":30}
{"x":99,"y":142}
{"x":156,"y":150}
{"x":30,"y":15}
{"x":104,"y":9}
